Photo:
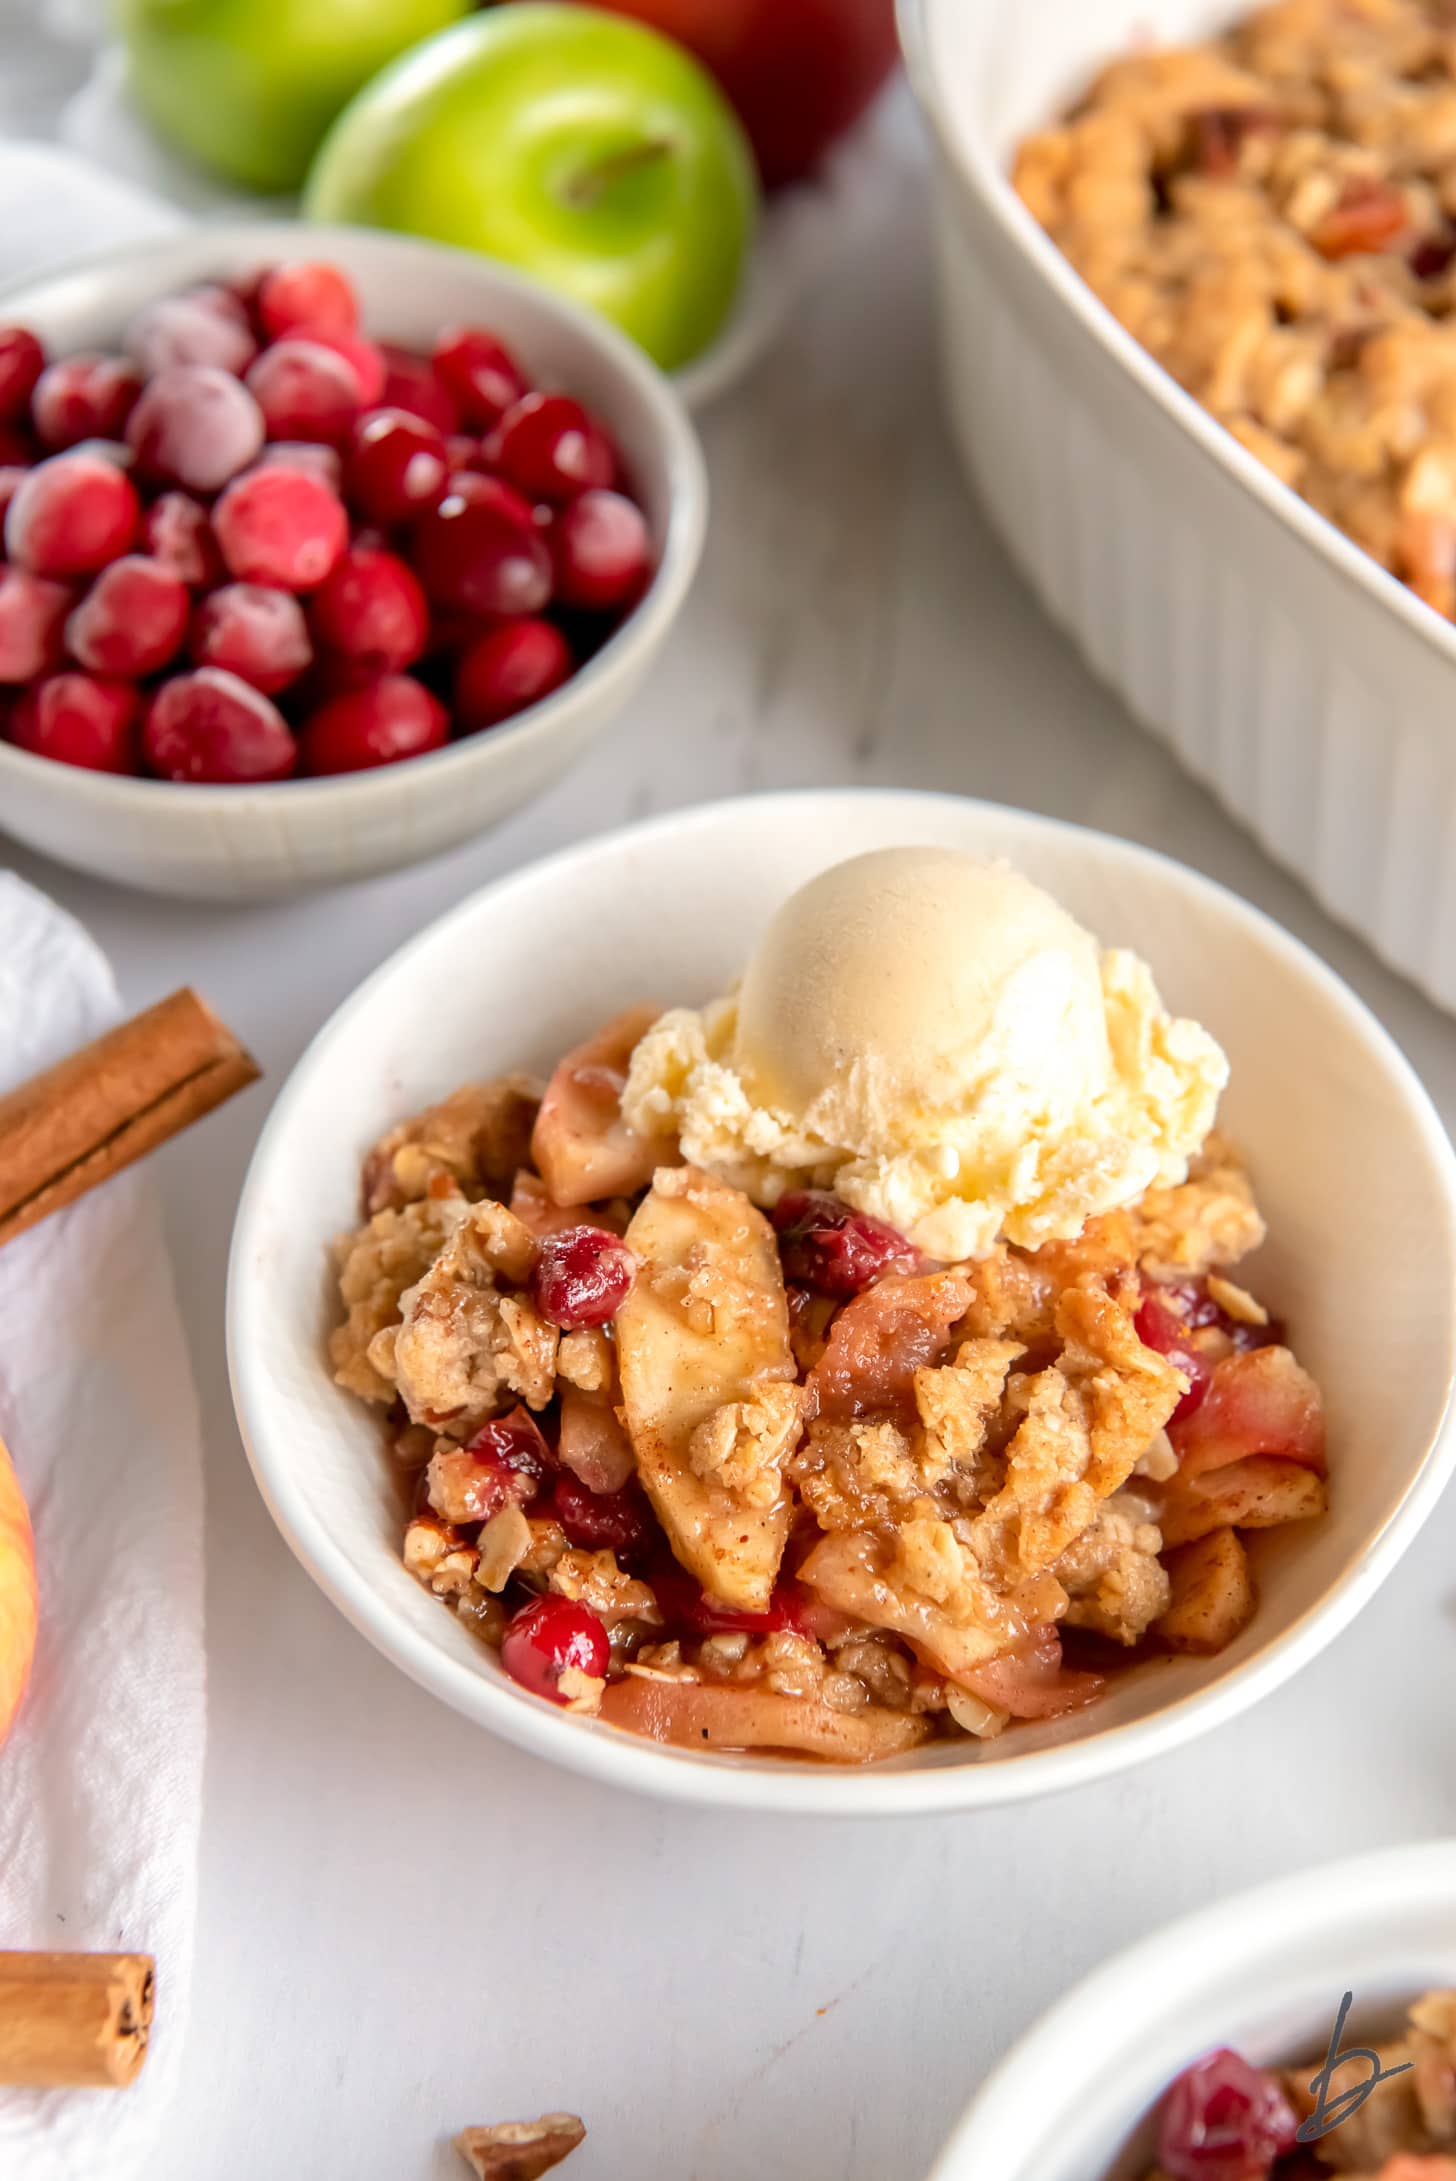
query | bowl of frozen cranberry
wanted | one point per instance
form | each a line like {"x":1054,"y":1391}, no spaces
{"x":323,"y":552}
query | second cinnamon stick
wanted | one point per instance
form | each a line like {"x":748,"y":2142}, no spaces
{"x":74,"y":2021}
{"x":98,"y":1110}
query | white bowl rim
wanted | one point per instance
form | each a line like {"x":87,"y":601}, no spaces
{"x":994,"y":189}
{"x":784,"y":1785}
{"x":1223,"y":1934}
{"x":687,"y":515}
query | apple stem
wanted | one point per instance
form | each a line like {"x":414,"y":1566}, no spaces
{"x":592,"y":183}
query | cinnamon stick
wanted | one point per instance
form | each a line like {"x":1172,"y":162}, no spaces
{"x":74,"y":2021}
{"x":92,"y":1114}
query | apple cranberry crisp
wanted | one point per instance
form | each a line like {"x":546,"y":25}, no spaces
{"x":1224,"y":2120}
{"x":740,"y":1480}
{"x":1272,"y":214}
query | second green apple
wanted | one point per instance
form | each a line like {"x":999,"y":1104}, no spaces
{"x":577,"y":146}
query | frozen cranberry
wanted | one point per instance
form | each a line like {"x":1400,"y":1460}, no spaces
{"x":467,"y":453}
{"x":178,"y":531}
{"x":308,"y":455}
{"x":12,"y":475}
{"x":1224,"y":2121}
{"x":305,"y":391}
{"x":550,"y":448}
{"x":479,"y":373}
{"x":411,"y":383}
{"x":255,"y":632}
{"x":22,"y":360}
{"x":132,"y":620}
{"x":363,"y":359}
{"x":32,"y":624}
{"x":211,"y":726}
{"x":280,"y":526}
{"x":385,"y":721}
{"x":17,"y":449}
{"x":826,"y":1245}
{"x":72,"y":515}
{"x":373,"y":611}
{"x":619,"y":1522}
{"x":313,"y":295}
{"x":202,"y":326}
{"x":1160,"y":1328}
{"x":79,"y":720}
{"x":473,"y":553}
{"x":507,"y":669}
{"x":194,"y":426}
{"x":397,"y":467}
{"x":581,"y":1276}
{"x":602,"y":552}
{"x":550,"y":1643}
{"x":84,"y":397}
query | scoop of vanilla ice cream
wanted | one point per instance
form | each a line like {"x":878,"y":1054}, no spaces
{"x":938,"y":1041}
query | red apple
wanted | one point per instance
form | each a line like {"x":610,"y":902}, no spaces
{"x":17,"y":1594}
{"x":800,"y":72}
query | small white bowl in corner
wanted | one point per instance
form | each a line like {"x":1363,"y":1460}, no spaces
{"x":667,"y":911}
{"x":239,"y":843}
{"x":1264,"y":1973}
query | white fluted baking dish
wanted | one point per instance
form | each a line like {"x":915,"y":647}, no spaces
{"x":1309,"y":689}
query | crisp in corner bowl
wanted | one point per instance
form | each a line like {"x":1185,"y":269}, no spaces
{"x":666,"y":911}
{"x":1074,"y":2099}
{"x":252,"y":843}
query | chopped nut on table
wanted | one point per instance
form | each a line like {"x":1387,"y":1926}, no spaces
{"x":520,"y":2150}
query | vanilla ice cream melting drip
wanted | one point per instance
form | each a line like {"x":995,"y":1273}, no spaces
{"x":938,"y":1041}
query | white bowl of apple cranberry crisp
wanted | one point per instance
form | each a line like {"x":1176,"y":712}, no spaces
{"x":767,"y":1308}
{"x":1197,"y":2054}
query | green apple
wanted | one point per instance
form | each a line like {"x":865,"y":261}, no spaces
{"x":248,"y":87}
{"x":587,"y":150}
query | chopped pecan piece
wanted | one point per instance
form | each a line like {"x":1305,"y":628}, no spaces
{"x":520,"y":2150}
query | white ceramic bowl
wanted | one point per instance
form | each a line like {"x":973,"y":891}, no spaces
{"x":1294,"y":676}
{"x":235,"y":843}
{"x":1263,"y":1972}
{"x":667,"y":911}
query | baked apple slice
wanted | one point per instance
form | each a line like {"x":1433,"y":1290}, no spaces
{"x":17,"y":1594}
{"x":581,"y":1146}
{"x":708,"y":1386}
{"x":696,"y":1715}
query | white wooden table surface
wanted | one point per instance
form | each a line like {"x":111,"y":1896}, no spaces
{"x":405,"y":1926}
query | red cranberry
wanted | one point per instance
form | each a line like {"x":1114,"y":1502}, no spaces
{"x":196,"y":427}
{"x":309,"y":455}
{"x":132,"y":620}
{"x":411,"y":383}
{"x":480,"y":374}
{"x":72,"y":515}
{"x":177,"y":531}
{"x":551,"y":448}
{"x":280,"y":526}
{"x":397,"y":467}
{"x":602,"y":551}
{"x":84,"y":397}
{"x":387,"y":720}
{"x":211,"y":726}
{"x":619,"y":1522}
{"x":253,"y":631}
{"x":305,"y":391}
{"x":827,"y":1246}
{"x":685,"y":1605}
{"x":473,"y":553}
{"x":1224,"y":2121}
{"x":315,"y":296}
{"x":202,"y":326}
{"x":508,"y":668}
{"x":17,"y":449}
{"x":373,"y":611}
{"x":22,"y":360}
{"x":12,"y":475}
{"x":581,"y":1276}
{"x":1160,"y":1328}
{"x":79,"y":720}
{"x":32,"y":624}
{"x":550,"y":1636}
{"x":363,"y":359}
{"x":507,"y":1461}
{"x":466,"y":453}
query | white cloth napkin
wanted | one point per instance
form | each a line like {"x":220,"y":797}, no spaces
{"x":101,"y":1780}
